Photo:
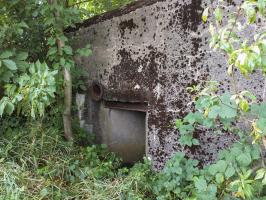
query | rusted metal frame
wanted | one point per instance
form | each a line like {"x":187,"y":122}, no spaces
{"x":136,"y":106}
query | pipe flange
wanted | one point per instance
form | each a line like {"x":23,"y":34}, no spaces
{"x":96,"y":91}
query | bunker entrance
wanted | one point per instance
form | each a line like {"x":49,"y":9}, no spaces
{"x":126,"y":130}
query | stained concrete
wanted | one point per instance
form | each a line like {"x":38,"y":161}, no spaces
{"x":151,"y":51}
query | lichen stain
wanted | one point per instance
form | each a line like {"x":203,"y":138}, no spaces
{"x":191,"y":15}
{"x":125,"y":75}
{"x":127,"y":24}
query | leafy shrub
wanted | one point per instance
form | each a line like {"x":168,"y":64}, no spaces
{"x":31,"y":93}
{"x":176,"y":179}
{"x":230,"y":177}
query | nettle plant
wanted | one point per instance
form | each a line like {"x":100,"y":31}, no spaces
{"x":239,"y":172}
{"x":31,"y":93}
{"x":28,"y":86}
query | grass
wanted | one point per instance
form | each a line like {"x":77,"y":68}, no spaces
{"x":37,"y":163}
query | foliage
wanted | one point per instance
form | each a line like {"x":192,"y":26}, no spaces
{"x":231,"y":177}
{"x":37,"y":163}
{"x":244,"y":53}
{"x":174,"y":182}
{"x":23,"y":89}
{"x":31,"y":93}
{"x":94,"y":7}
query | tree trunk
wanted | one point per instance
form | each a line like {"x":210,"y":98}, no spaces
{"x":67,"y":116}
{"x":1,"y":92}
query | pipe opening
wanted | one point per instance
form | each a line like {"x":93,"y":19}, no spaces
{"x":96,"y":91}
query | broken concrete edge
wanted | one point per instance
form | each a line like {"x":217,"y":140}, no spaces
{"x":112,"y":14}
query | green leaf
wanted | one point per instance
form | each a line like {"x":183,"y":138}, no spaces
{"x":205,"y":14}
{"x":23,"y":25}
{"x":259,"y":109}
{"x":51,"y":41}
{"x":186,"y":139}
{"x":218,"y":15}
{"x":195,"y":142}
{"x":3,"y":103}
{"x":212,"y":169}
{"x":178,"y":123}
{"x":244,"y":159}
{"x":9,"y":108}
{"x":221,"y":166}
{"x":6,"y":54}
{"x":52,"y":51}
{"x":219,"y":178}
{"x":63,"y":38}
{"x":10,"y":64}
{"x":6,"y":76}
{"x":22,"y":65}
{"x":193,"y":117}
{"x":243,"y":104}
{"x":214,"y":112}
{"x":255,"y":152}
{"x":209,"y":123}
{"x":62,"y":61}
{"x":264,"y":181}
{"x":32,"y":68}
{"x":68,"y":50}
{"x":201,"y":184}
{"x":228,"y":112}
{"x":22,"y":56}
{"x":261,"y":6}
{"x":260,"y":174}
{"x":261,"y":124}
{"x":248,"y":94}
{"x":212,"y":189}
{"x":68,"y":65}
{"x":228,"y":107}
{"x":230,"y":171}
{"x":185,"y":129}
{"x":84,"y":51}
{"x":251,"y":13}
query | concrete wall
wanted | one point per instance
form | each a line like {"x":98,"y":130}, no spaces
{"x":151,"y":52}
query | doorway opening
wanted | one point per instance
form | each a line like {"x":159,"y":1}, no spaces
{"x":126,"y":130}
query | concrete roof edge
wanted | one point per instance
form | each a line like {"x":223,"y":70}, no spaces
{"x":111,"y":14}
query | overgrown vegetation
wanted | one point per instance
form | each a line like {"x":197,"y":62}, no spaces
{"x":36,"y":162}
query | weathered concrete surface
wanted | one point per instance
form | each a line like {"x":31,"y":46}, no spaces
{"x":151,"y":52}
